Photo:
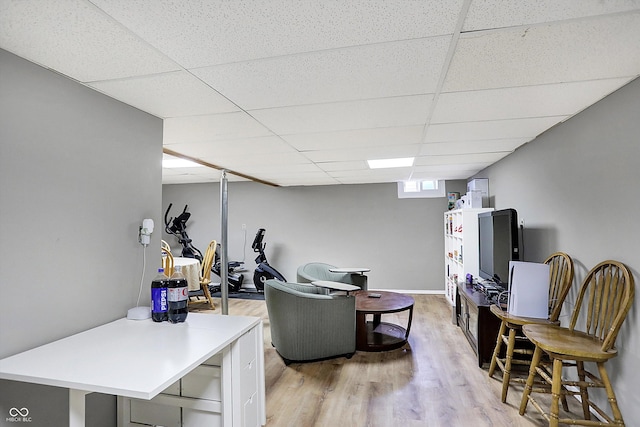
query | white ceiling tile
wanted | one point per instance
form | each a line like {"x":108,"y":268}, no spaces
{"x":265,"y":169}
{"x":57,"y":34}
{"x":356,"y":138}
{"x":170,"y":176}
{"x":520,"y":102}
{"x":458,"y":167}
{"x":373,"y":113}
{"x":446,"y":174}
{"x":498,"y":129}
{"x":506,"y":13}
{"x":366,"y":178}
{"x":234,"y":147}
{"x":211,"y":127}
{"x":201,"y":33}
{"x":460,"y":159}
{"x":271,"y":160}
{"x":471,"y":147}
{"x":167,"y":95}
{"x":372,"y":153}
{"x":352,"y":73}
{"x":571,"y":51}
{"x":343,"y":166}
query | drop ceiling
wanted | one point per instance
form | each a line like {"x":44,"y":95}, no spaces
{"x":303,"y":93}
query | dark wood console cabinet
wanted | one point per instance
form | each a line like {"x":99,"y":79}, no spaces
{"x":478,"y":324}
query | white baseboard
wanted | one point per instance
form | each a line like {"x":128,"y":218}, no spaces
{"x":412,"y":291}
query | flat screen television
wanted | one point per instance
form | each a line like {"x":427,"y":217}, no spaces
{"x":498,"y":244}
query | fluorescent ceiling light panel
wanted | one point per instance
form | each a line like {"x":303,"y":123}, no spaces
{"x":391,"y":163}
{"x":179,"y":163}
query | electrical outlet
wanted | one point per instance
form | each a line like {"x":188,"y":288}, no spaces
{"x":244,"y":226}
{"x":522,"y":222}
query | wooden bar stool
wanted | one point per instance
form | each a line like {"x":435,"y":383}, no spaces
{"x":603,"y":302}
{"x":510,"y":333}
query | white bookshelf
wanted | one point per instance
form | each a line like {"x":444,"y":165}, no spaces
{"x":460,"y":247}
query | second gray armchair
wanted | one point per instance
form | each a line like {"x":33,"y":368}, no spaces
{"x":313,"y":271}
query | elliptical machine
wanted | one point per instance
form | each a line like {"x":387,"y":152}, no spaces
{"x":178,"y":227}
{"x":263,"y":271}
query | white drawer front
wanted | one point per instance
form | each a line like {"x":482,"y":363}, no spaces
{"x":248,"y":380}
{"x":203,"y":383}
{"x":148,"y":413}
{"x":248,"y":346}
{"x":195,"y":418}
{"x":250,"y":412}
{"x":173,"y":389}
{"x":215,"y":360}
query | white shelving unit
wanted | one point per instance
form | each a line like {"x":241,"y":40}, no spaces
{"x":460,"y":247}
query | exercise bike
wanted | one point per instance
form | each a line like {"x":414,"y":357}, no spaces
{"x":263,"y":271}
{"x":178,"y":227}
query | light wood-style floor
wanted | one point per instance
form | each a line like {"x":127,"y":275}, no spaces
{"x":433,"y":381}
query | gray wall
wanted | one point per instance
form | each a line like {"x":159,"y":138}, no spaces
{"x":576,"y":187}
{"x":345,"y":225}
{"x":78,"y":173}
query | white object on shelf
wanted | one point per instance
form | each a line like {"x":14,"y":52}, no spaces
{"x":481,"y":185}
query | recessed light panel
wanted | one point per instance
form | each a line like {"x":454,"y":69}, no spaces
{"x":391,"y":163}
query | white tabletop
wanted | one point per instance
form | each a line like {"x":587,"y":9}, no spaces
{"x":128,"y":358}
{"x":350,"y":270}
{"x":338,"y":286}
{"x":185,"y":261}
{"x":190,"y":270}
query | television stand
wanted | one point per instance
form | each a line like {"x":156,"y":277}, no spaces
{"x":478,"y":324}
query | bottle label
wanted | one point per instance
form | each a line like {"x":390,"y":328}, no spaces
{"x":178,"y":294}
{"x":159,"y":302}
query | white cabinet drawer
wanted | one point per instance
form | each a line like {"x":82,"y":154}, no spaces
{"x":203,"y":383}
{"x":250,"y":412}
{"x":196,"y":418}
{"x":248,"y":380}
{"x":247,"y":344}
{"x":173,"y":389}
{"x":148,"y":413}
{"x":215,"y":360}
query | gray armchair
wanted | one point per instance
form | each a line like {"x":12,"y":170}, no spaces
{"x":313,"y":271}
{"x":307,"y":325}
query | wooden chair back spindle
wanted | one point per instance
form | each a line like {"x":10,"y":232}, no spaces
{"x":560,"y":281}
{"x":167,"y":263}
{"x":610,"y":290}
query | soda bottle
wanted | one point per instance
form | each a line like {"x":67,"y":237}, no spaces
{"x":178,"y":295}
{"x":159,"y":303}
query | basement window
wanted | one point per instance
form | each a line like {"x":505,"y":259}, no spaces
{"x":421,"y":189}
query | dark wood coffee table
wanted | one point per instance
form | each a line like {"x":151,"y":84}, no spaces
{"x":377,"y":335}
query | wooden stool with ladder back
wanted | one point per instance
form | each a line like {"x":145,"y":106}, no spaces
{"x":510,"y":332}
{"x":603,"y":302}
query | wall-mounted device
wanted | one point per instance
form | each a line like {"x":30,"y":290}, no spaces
{"x":144,"y":232}
{"x":144,"y":237}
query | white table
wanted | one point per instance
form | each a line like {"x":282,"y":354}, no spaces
{"x":357,"y":274}
{"x":190,"y":268}
{"x":140,"y":359}
{"x":350,"y":270}
{"x":336,"y":286}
